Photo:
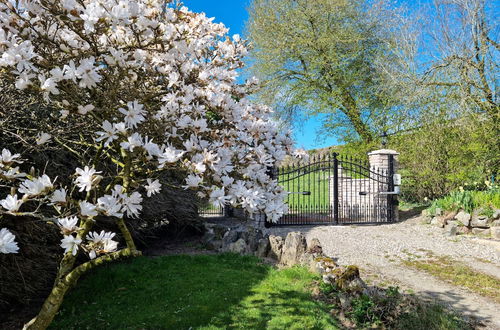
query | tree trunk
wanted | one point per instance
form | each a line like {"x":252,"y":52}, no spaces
{"x":53,"y":302}
{"x":352,"y":111}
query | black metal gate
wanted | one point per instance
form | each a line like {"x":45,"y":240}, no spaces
{"x":332,"y":189}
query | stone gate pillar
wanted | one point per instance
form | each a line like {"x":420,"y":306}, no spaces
{"x":387,"y":160}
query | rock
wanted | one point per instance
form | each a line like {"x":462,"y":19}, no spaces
{"x":230,"y":236}
{"x":451,"y":229}
{"x":425,"y":213}
{"x":252,"y":237}
{"x":438,"y":211}
{"x":215,"y":245}
{"x":495,"y":223}
{"x":480,"y":221}
{"x":308,"y":260}
{"x":463,"y":218}
{"x":495,"y":232}
{"x":450,"y":216}
{"x":438,"y":222}
{"x":481,"y":231}
{"x":314,"y":247}
{"x":239,"y":247}
{"x":263,"y":248}
{"x":276,"y":247}
{"x":496,"y":214}
{"x":294,"y":247}
{"x":464,"y":230}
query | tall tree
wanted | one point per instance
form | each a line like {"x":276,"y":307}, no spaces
{"x":323,"y":56}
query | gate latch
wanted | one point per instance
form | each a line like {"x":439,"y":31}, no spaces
{"x":363,"y":193}
{"x":300,"y":192}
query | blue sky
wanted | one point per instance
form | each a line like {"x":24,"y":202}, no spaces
{"x":233,"y":13}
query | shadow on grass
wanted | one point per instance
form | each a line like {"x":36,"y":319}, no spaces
{"x":199,"y":292}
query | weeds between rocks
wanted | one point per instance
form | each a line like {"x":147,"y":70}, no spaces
{"x":387,"y":309}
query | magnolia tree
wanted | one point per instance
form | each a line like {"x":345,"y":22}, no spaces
{"x":156,"y":87}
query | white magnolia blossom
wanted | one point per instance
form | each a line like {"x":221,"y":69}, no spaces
{"x":11,"y":203}
{"x":87,"y":178}
{"x":108,"y":134}
{"x":87,"y":209}
{"x":110,"y":205}
{"x":132,"y":204}
{"x":7,"y":158}
{"x":153,"y":187}
{"x":35,"y":187}
{"x":134,"y":114}
{"x":101,"y":243}
{"x":70,"y":244}
{"x":58,"y":196}
{"x":43,"y":138}
{"x":8,"y":243}
{"x":68,"y":225}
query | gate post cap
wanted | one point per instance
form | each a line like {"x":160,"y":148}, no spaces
{"x":383,"y":152}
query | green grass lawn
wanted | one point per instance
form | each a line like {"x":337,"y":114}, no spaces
{"x":317,"y":183}
{"x":198,"y":292}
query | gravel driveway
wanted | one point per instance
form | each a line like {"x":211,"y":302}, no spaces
{"x":378,"y":251}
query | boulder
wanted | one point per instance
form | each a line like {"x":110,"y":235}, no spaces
{"x":252,"y":236}
{"x":314,"y":247}
{"x":438,"y":211}
{"x":450,"y":216}
{"x":464,"y":218}
{"x":451,"y":229}
{"x":275,"y":247}
{"x":294,"y":247}
{"x":438,"y":222}
{"x":230,"y":236}
{"x":479,"y":221}
{"x":464,"y":230}
{"x":495,"y":232}
{"x":481,"y":231}
{"x":495,"y":223}
{"x":215,"y":245}
{"x":239,"y":247}
{"x":263,"y":248}
{"x":496,"y":214}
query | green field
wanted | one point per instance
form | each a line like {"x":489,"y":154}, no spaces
{"x":317,"y":183}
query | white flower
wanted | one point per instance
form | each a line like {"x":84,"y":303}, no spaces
{"x":68,"y":225}
{"x":12,"y":173}
{"x":109,"y":133}
{"x":170,"y":155}
{"x":87,"y":178}
{"x":70,"y":243}
{"x":7,"y":157}
{"x":133,"y":141}
{"x":83,"y":110}
{"x":11,"y":203}
{"x":58,"y":197}
{"x":42,"y":138}
{"x":193,"y":181}
{"x":110,"y":206}
{"x":48,"y":85}
{"x":217,"y":197}
{"x":7,"y":242}
{"x":88,"y":209}
{"x":134,"y":114}
{"x":151,"y":148}
{"x":132,"y":204}
{"x":153,"y":187}
{"x":64,"y":113}
{"x":101,"y":243}
{"x":36,"y":186}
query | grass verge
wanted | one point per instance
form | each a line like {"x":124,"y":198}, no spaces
{"x":459,"y":274}
{"x":194,"y":292}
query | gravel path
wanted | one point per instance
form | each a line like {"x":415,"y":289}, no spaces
{"x":378,"y":251}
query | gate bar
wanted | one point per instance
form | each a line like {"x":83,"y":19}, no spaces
{"x":335,"y":188}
